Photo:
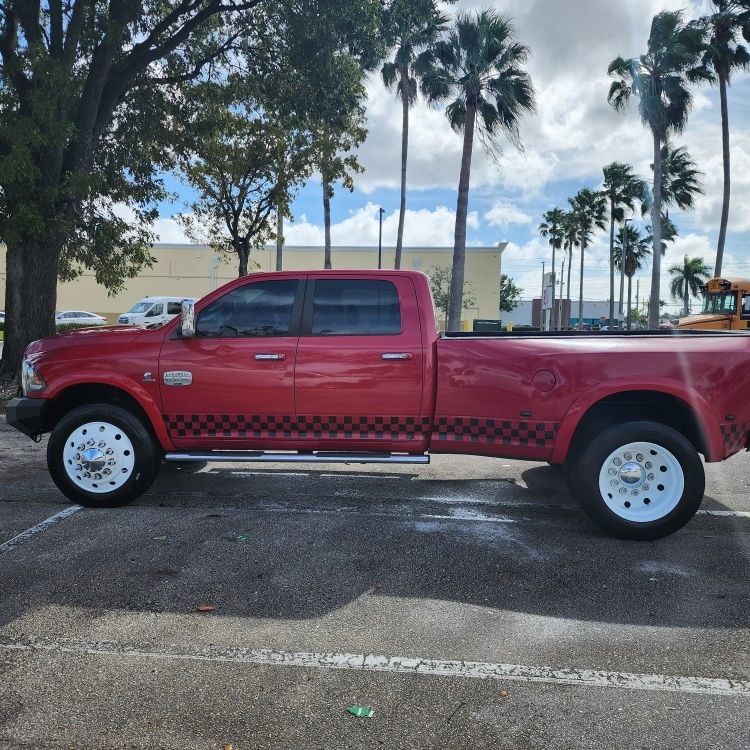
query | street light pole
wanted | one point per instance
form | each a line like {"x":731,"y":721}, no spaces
{"x":381,"y":211}
{"x":541,"y":303}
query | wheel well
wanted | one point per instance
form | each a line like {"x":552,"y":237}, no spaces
{"x":92,"y":393}
{"x":630,"y":406}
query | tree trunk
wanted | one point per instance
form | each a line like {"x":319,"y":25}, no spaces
{"x":30,"y":299}
{"x":630,"y":292}
{"x":404,"y":150}
{"x":687,"y":299}
{"x":279,"y":239}
{"x":653,"y":306}
{"x":242,"y":248}
{"x":570,"y":267}
{"x":327,"y":224}
{"x":725,"y":154}
{"x":611,"y":262}
{"x":552,"y":314}
{"x":622,"y":282}
{"x":462,"y":205}
{"x":580,"y":288}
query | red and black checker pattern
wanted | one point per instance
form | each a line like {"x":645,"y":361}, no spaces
{"x":734,"y":435}
{"x":495,"y":431}
{"x":393,"y":428}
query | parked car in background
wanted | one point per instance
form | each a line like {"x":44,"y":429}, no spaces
{"x":79,"y":318}
{"x":153,"y":311}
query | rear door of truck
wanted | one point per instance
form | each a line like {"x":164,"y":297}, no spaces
{"x":359,"y":374}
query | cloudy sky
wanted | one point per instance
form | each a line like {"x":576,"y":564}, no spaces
{"x":572,"y":135}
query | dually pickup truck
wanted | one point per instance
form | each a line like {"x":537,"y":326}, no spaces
{"x":350,"y":366}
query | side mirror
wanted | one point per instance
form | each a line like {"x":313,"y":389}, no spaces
{"x":188,"y":319}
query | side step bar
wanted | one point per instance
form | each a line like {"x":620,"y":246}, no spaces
{"x":316,"y":457}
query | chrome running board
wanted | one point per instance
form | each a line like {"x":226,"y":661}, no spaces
{"x":316,"y":457}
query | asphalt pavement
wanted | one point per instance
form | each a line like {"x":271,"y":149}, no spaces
{"x":469,"y":603}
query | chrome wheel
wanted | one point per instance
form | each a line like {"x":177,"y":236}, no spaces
{"x":641,"y":482}
{"x":98,"y":457}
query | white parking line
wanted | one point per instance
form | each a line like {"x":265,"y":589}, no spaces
{"x":399,"y":664}
{"x":24,"y":536}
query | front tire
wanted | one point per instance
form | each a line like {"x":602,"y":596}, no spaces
{"x":639,"y":480}
{"x":101,"y":456}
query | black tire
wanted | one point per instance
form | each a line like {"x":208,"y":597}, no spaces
{"x":656,"y":488}
{"x":144,"y":460}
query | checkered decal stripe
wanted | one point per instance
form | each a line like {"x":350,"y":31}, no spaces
{"x":734,"y":435}
{"x":499,"y":431}
{"x":270,"y":426}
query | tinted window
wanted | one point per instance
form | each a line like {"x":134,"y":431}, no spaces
{"x":174,"y":308}
{"x":355,"y":307}
{"x":260,"y":309}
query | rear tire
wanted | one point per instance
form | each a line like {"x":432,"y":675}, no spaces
{"x":101,"y":456}
{"x":638,"y":480}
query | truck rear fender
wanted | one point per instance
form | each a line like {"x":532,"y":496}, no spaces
{"x":126,"y":394}
{"x":667,"y":403}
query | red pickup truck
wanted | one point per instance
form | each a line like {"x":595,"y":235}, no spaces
{"x":350,"y":366}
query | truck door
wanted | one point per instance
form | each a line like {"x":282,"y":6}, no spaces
{"x":233,"y":383}
{"x":359,"y":375}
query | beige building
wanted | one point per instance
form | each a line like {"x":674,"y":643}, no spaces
{"x":194,"y":270}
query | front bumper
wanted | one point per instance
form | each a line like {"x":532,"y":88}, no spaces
{"x":26,"y":415}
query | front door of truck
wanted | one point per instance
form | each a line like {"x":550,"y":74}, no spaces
{"x":232,"y":385}
{"x":359,"y":375}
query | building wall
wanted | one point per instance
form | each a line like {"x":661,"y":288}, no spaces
{"x":186,"y":271}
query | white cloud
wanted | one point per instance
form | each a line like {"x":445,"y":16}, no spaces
{"x":168,"y":230}
{"x":503,"y":214}
{"x":424,"y":227}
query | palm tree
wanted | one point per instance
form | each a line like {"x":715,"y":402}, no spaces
{"x":409,"y":27}
{"x":680,"y":178}
{"x":479,"y":67}
{"x":630,"y":250}
{"x":659,"y":79}
{"x":623,"y":189}
{"x":687,"y":280}
{"x":552,"y":227}
{"x":570,"y":239}
{"x":590,"y":209}
{"x":724,"y":54}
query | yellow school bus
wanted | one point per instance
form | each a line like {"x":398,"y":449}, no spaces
{"x":726,"y":306}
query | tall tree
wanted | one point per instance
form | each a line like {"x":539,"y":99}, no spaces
{"x":479,"y":68}
{"x":724,"y":54}
{"x":590,"y":210}
{"x":510,"y":294}
{"x":571,"y":240}
{"x":623,"y":190}
{"x":630,"y":250}
{"x":409,"y":27}
{"x":681,"y":178}
{"x":659,"y":78}
{"x":687,"y":280}
{"x":552,"y":227}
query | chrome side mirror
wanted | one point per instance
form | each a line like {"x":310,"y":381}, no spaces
{"x":188,"y":319}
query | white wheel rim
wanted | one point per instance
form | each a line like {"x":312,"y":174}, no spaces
{"x":641,"y":482}
{"x":98,"y":457}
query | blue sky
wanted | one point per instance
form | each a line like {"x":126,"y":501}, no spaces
{"x":573,"y":134}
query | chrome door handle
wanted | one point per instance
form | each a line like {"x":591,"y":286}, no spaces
{"x":270,"y":356}
{"x":396,"y":355}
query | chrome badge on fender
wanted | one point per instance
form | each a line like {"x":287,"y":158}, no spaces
{"x":178,"y":377}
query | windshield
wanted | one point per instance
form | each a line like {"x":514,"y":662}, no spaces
{"x":141,"y":307}
{"x":725,"y":302}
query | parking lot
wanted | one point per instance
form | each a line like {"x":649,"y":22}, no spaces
{"x":469,"y":603}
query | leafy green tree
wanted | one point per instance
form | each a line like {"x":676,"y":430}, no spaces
{"x":440,"y":283}
{"x":510,"y":294}
{"x":630,"y":250}
{"x":479,"y":68}
{"x":724,"y":54}
{"x":590,"y":210}
{"x":84,"y":88}
{"x":623,"y":190}
{"x":687,"y":280}
{"x":409,"y":27}
{"x":681,"y":181}
{"x":552,"y":227}
{"x":659,"y":78}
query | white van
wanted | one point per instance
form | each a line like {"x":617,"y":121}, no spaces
{"x":153,"y":311}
